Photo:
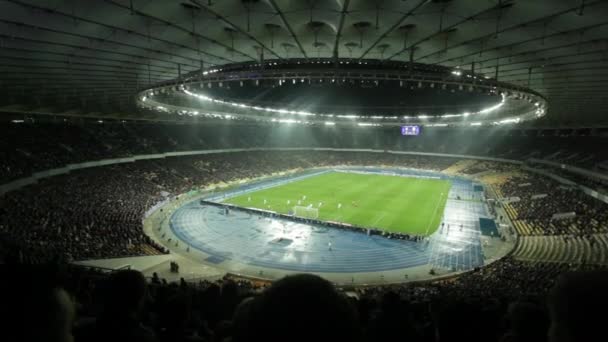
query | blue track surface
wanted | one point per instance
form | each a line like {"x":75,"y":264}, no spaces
{"x":286,"y":245}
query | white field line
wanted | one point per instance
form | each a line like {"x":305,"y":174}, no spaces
{"x":378,"y":219}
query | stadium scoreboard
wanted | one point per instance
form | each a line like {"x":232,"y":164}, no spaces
{"x":410,"y":130}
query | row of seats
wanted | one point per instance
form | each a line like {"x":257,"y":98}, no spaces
{"x":573,"y":247}
{"x":563,"y":249}
{"x":573,"y":226}
{"x":458,"y":166}
{"x":483,"y":166}
{"x":534,"y":216}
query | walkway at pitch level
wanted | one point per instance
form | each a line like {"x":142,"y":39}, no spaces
{"x":286,"y":245}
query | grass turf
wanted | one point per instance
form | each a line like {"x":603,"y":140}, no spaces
{"x":392,"y":203}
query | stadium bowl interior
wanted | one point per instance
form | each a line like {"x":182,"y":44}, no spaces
{"x":398,"y":153}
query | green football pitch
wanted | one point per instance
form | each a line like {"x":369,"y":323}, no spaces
{"x":392,"y":203}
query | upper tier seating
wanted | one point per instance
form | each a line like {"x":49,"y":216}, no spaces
{"x":36,"y":146}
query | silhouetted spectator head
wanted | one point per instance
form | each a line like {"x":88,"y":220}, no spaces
{"x":175,"y":318}
{"x":453,"y":320}
{"x":36,"y":307}
{"x":297,"y":308}
{"x":124,"y":294}
{"x":126,"y":291}
{"x":577,"y":306}
{"x":527,"y":322}
{"x":392,"y":321}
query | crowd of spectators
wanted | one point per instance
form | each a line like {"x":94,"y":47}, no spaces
{"x":93,"y":214}
{"x":29,"y":148}
{"x":97,"y":212}
{"x":509,"y":300}
{"x":596,"y":184}
{"x":37,"y":145}
{"x":484,"y":166}
{"x":541,"y":197}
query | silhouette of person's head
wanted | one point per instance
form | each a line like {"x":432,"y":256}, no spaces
{"x":37,"y":307}
{"x":452,"y":317}
{"x":527,"y":322}
{"x":576,"y":306}
{"x":297,"y":308}
{"x":175,"y":315}
{"x":126,"y":291}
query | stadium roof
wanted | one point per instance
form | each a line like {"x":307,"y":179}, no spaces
{"x":93,"y":57}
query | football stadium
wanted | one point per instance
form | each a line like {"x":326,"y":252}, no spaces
{"x":304,"y":170}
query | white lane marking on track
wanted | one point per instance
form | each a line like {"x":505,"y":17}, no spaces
{"x":434,"y":213}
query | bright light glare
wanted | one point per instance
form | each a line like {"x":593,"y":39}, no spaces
{"x":288,"y":121}
{"x":539,"y":110}
{"x":493,"y":108}
{"x":509,"y":121}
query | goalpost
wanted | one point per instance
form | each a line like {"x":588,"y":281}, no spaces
{"x":306,"y":212}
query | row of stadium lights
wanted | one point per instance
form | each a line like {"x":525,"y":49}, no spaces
{"x":457,"y":71}
{"x":294,"y":81}
{"x":539,"y":111}
{"x":329,"y":123}
{"x":361,"y":124}
{"x":432,"y":85}
{"x":342,"y":116}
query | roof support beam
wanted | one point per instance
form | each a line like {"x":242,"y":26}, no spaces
{"x":80,"y":47}
{"x":288,"y":27}
{"x":177,"y":27}
{"x":511,"y":45}
{"x":506,"y":29}
{"x":447,"y":28}
{"x":76,"y":63}
{"x":340,"y":26}
{"x":74,"y":56}
{"x":231,"y":24}
{"x":395,"y":25}
{"x":95,"y":39}
{"x":112,"y":27}
{"x":537,"y":53}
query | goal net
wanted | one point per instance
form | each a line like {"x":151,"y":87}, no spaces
{"x":306,"y":212}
